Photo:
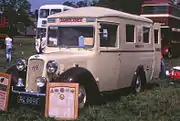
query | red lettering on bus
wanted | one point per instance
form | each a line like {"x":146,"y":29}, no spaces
{"x":70,"y":19}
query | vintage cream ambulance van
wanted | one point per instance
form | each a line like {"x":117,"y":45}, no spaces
{"x":99,"y":48}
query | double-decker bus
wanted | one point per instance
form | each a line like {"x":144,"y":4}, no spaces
{"x":46,"y":10}
{"x":166,"y":12}
{"x":3,"y":30}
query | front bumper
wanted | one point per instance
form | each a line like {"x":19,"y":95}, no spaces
{"x":27,"y":98}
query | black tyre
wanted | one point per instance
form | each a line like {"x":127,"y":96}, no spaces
{"x":139,"y":82}
{"x":169,"y":55}
{"x":88,"y":91}
{"x":88,"y":96}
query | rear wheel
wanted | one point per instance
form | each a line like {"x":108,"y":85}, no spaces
{"x":139,"y":82}
{"x":169,"y":55}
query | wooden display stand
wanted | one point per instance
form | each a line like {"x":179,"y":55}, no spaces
{"x":62,"y":100}
{"x":5,"y":82}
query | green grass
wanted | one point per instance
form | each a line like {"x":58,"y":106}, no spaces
{"x":25,"y":45}
{"x":157,"y":104}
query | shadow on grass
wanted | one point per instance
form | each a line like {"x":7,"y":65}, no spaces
{"x":115,"y":96}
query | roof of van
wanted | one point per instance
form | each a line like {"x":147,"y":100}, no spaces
{"x":92,"y":11}
{"x":55,"y":6}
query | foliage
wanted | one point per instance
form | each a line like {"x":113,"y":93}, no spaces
{"x":129,"y":6}
{"x":16,"y":11}
{"x":77,"y":4}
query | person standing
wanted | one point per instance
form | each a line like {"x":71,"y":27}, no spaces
{"x":8,"y":42}
{"x":40,"y":44}
{"x":163,"y":68}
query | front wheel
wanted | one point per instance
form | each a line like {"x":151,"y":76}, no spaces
{"x":82,"y":96}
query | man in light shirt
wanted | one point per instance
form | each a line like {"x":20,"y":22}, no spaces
{"x":40,"y":44}
{"x":8,"y":42}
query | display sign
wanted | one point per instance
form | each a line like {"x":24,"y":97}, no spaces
{"x":88,"y":41}
{"x":62,"y":100}
{"x":70,"y":19}
{"x":5,"y":81}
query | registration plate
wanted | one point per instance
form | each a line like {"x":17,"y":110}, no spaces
{"x":21,"y":99}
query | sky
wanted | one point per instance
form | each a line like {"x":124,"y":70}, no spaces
{"x":35,"y":4}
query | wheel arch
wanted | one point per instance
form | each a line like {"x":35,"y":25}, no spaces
{"x":15,"y":74}
{"x":82,"y":76}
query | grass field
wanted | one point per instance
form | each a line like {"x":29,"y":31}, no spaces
{"x":160,"y":103}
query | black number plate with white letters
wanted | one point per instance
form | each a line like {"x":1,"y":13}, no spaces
{"x":23,"y":99}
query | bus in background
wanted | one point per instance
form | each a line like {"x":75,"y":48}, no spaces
{"x":3,"y":30}
{"x":166,"y":12}
{"x":46,"y":10}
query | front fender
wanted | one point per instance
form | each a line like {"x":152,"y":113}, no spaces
{"x":16,"y":74}
{"x":76,"y":74}
{"x":83,"y":77}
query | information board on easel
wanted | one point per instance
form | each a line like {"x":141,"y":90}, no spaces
{"x":62,"y":101}
{"x":5,"y":82}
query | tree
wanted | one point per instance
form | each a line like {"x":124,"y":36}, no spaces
{"x":78,"y":4}
{"x":129,"y":6}
{"x":81,"y":4}
{"x":16,"y":11}
{"x":68,"y":3}
{"x":36,"y":13}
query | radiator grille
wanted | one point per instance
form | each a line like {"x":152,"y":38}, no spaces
{"x":35,"y":69}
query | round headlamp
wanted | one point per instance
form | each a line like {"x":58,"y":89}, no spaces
{"x":41,"y":81}
{"x":52,"y":67}
{"x":21,"y":64}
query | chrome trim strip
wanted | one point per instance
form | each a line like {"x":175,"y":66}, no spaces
{"x":29,"y":93}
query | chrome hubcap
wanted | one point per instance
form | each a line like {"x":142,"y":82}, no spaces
{"x":82,"y":96}
{"x":138,"y":84}
{"x":169,"y":55}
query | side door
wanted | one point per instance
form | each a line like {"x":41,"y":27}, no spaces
{"x":107,"y":58}
{"x":157,"y":47}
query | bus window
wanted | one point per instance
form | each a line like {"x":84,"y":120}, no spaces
{"x":129,"y":33}
{"x":110,"y":38}
{"x":65,"y":9}
{"x":146,"y":31}
{"x":44,"y":13}
{"x":52,"y":36}
{"x":155,"y":9}
{"x":156,"y":36}
{"x":53,"y":11}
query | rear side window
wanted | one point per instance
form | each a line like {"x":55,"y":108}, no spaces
{"x":109,"y":36}
{"x":129,"y":33}
{"x":146,"y":31}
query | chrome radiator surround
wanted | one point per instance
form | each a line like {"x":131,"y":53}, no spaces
{"x":34,"y":69}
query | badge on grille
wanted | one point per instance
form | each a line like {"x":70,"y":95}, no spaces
{"x":35,"y":67}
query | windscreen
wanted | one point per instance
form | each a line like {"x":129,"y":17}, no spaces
{"x":71,"y":37}
{"x":44,"y":13}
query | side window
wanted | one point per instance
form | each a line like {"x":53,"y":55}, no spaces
{"x":108,"y":35}
{"x":146,"y":31}
{"x":156,"y":36}
{"x":129,"y":33}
